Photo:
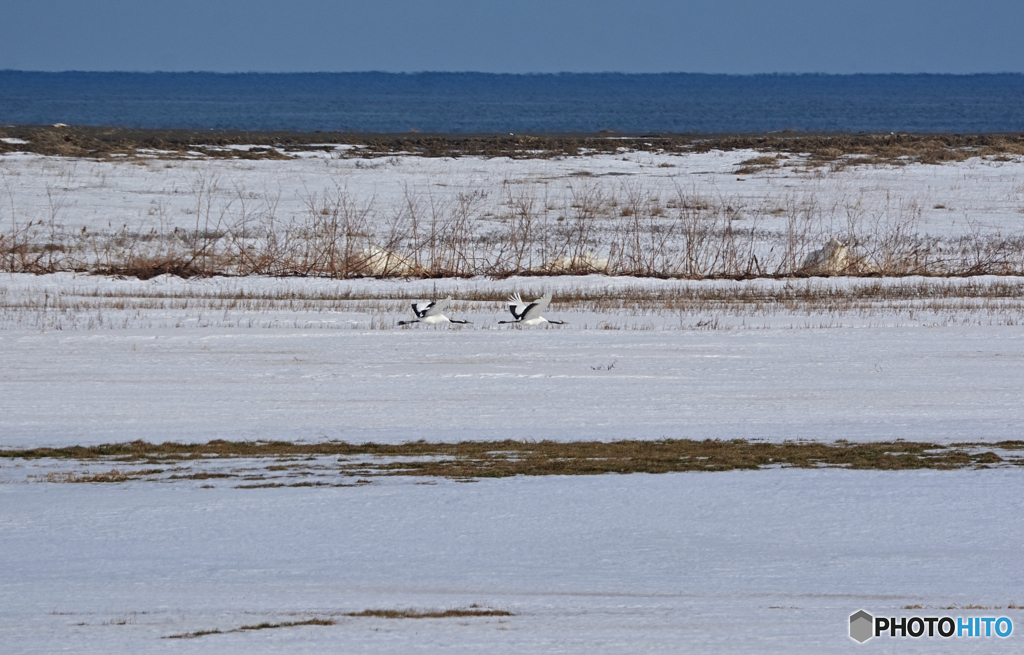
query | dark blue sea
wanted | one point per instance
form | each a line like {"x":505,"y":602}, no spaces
{"x":490,"y":103}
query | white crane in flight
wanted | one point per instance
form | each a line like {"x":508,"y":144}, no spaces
{"x":431,"y":313}
{"x":529,"y":313}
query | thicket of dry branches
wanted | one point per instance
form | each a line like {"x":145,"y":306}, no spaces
{"x":622,"y":230}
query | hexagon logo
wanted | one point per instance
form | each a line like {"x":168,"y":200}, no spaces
{"x":861,"y":626}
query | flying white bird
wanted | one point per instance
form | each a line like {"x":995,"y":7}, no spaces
{"x":529,"y":313}
{"x":431,"y":312}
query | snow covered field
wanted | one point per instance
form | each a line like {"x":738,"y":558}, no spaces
{"x":150,"y":191}
{"x":760,"y":561}
{"x":92,"y":360}
{"x":765,"y":561}
{"x":694,"y":214}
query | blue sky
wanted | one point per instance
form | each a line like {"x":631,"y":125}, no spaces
{"x":636,"y":36}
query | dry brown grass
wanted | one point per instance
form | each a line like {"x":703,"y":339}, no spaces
{"x":410,"y":613}
{"x":876,"y":148}
{"x":758,"y":164}
{"x":248,"y":628}
{"x":193,"y":635}
{"x":113,"y":475}
{"x":287,"y":624}
{"x":671,"y":305}
{"x":103,"y":142}
{"x":428,"y":614}
{"x":493,"y":459}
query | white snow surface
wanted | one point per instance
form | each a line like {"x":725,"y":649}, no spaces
{"x":150,"y":192}
{"x":87,"y":360}
{"x":770,"y":561}
{"x":388,"y":387}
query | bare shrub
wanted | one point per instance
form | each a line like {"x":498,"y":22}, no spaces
{"x":895,"y":247}
{"x":800,"y":233}
{"x":455,"y":254}
{"x":575,"y":237}
{"x":520,"y":240}
{"x":334,"y":236}
{"x":643,"y":236}
{"x":703,"y":226}
{"x":209,"y":223}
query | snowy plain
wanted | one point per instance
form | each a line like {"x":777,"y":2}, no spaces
{"x":768,"y":561}
{"x":88,"y":360}
{"x":150,"y":191}
{"x":762,"y":561}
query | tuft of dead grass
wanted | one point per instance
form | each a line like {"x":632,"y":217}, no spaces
{"x":193,"y":635}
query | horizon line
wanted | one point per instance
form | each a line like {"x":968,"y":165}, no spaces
{"x":505,"y":74}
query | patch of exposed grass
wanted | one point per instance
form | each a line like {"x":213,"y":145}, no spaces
{"x":420,"y":614}
{"x":756,"y":164}
{"x":201,"y":476}
{"x":101,"y":142}
{"x":494,"y":459}
{"x":640,"y":296}
{"x":113,"y":475}
{"x":472,"y":611}
{"x":248,"y":628}
{"x":287,"y":624}
{"x":193,"y":635}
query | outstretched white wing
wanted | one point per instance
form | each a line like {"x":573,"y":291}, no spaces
{"x":436,"y":308}
{"x":432,"y":308}
{"x":536,"y":308}
{"x":516,"y":306}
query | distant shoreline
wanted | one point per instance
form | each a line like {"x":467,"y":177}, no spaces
{"x":550,"y":104}
{"x":102,"y":142}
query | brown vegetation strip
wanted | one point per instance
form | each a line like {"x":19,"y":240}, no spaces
{"x":485,"y":459}
{"x":246,"y":628}
{"x":632,"y":296}
{"x":890,"y":148}
{"x":473,"y":611}
{"x":417,"y":614}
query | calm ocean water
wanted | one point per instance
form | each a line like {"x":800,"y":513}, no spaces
{"x":486,"y":103}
